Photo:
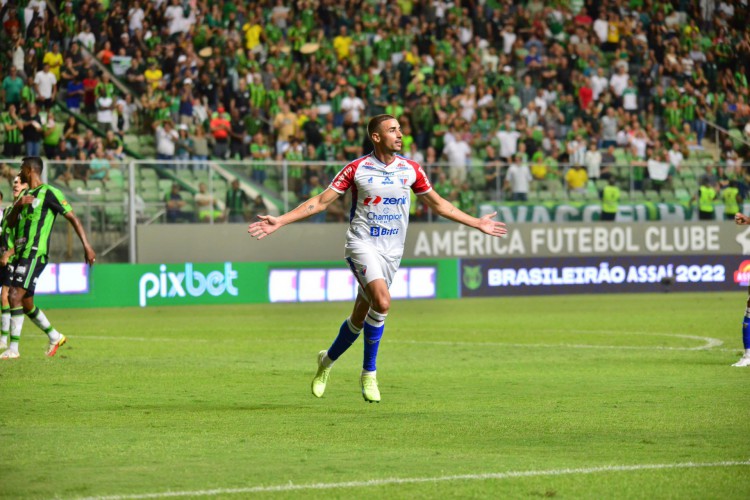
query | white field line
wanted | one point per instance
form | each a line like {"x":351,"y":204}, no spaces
{"x":417,"y":480}
{"x":709,"y":343}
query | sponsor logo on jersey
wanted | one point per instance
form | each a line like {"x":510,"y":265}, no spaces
{"x":376,"y":231}
{"x":387,"y":180}
{"x":377,"y":200}
{"x":383,"y":217}
{"x":369,"y":181}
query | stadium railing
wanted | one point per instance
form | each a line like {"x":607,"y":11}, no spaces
{"x":102,"y":197}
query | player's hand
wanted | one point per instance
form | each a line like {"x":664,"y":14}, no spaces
{"x":492,"y":227}
{"x":26,"y":200}
{"x":90,"y":256}
{"x":265,"y":226}
{"x":741,"y":219}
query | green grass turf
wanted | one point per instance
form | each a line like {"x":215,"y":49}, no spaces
{"x":196,"y":398}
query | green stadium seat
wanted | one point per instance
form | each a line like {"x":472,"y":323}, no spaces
{"x":75,"y":184}
{"x":652,"y":195}
{"x":553,"y":185}
{"x":668,"y":196}
{"x":148,"y":173}
{"x":682,"y":195}
{"x":149,"y":183}
{"x":576,"y":196}
{"x":164,"y":185}
{"x":186,"y":175}
{"x":95,"y":184}
{"x":114,"y":196}
{"x":151,"y":194}
{"x":114,"y":216}
{"x":637,"y":196}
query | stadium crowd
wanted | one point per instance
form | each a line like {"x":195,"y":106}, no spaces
{"x":554,"y":92}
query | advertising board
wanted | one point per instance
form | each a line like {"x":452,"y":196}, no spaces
{"x":567,"y":275}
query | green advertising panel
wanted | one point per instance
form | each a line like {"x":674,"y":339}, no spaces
{"x":582,"y":211}
{"x":147,"y":285}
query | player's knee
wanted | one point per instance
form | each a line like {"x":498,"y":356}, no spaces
{"x":381,"y":304}
{"x":15,"y":297}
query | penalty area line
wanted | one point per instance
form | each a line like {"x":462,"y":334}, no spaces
{"x":417,"y":480}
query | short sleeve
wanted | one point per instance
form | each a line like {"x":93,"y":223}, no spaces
{"x":344,"y":179}
{"x":56,"y":201}
{"x":422,"y":183}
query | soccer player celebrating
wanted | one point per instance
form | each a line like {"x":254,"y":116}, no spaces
{"x":744,"y":220}
{"x":380,"y":184}
{"x":7,"y":256}
{"x":32,"y":217}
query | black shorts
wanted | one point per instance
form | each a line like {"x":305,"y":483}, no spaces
{"x":27,"y":272}
{"x":609,"y":216}
{"x":6,"y":273}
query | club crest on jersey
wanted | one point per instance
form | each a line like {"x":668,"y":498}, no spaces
{"x":404,"y":180}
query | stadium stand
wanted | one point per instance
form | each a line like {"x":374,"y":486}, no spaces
{"x":173,"y":80}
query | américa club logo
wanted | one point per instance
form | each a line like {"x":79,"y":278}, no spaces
{"x":472,"y":277}
{"x":186,"y":282}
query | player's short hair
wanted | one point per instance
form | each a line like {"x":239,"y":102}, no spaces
{"x":35,"y":163}
{"x":374,"y":124}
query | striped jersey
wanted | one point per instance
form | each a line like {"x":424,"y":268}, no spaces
{"x":7,"y":233}
{"x":35,"y":221}
{"x":381,"y":198}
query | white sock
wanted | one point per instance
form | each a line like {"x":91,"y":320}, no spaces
{"x":747,"y":353}
{"x":375,"y":318}
{"x":5,"y":325}
{"x":16,"y":325}
{"x":327,"y":362}
{"x":365,"y":372}
{"x":40,"y":320}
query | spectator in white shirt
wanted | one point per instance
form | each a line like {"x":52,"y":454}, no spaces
{"x":593,"y":161}
{"x":352,"y":106}
{"x":619,"y":81}
{"x":45,"y":85}
{"x":508,"y":142}
{"x":86,"y":37}
{"x":104,"y":109}
{"x":135,"y":17}
{"x":458,"y":153}
{"x":166,"y":137}
{"x":675,"y":156}
{"x":599,"y":84}
{"x":576,"y":150}
{"x":518,"y":180}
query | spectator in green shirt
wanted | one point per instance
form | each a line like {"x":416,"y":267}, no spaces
{"x":12,"y":86}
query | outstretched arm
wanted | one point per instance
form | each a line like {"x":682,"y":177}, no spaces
{"x":741,"y":219}
{"x":444,"y":208}
{"x":268,"y":223}
{"x":90,"y":254}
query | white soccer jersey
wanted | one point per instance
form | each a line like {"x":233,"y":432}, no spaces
{"x":380,"y":201}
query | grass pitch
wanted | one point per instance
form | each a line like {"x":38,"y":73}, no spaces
{"x":569,"y":397}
